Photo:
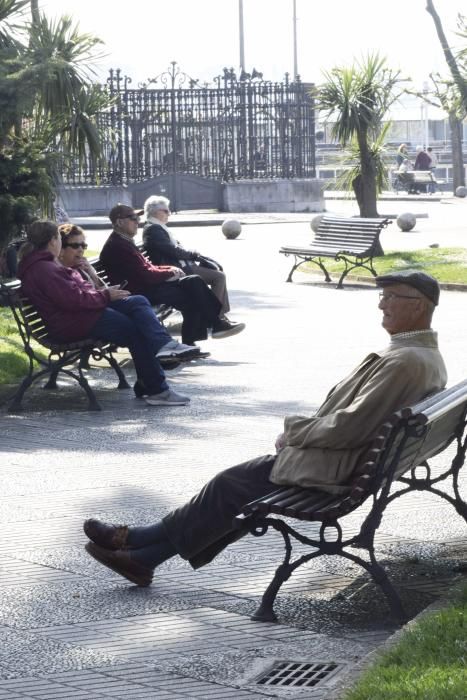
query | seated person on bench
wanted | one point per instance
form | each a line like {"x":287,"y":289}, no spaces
{"x":318,"y":452}
{"x":73,"y":309}
{"x":72,"y":255}
{"x":163,"y":249}
{"x":161,"y":284}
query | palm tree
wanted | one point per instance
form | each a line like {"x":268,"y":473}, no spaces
{"x":48,"y":102}
{"x":356,"y":100}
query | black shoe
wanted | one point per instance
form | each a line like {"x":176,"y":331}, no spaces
{"x":106,"y":535}
{"x":169,"y":362}
{"x":121,"y":562}
{"x":223,"y":328}
{"x":139,"y":389}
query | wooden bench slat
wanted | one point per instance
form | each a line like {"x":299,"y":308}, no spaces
{"x":309,"y":511}
{"x":281,"y":501}
{"x":282,"y":492}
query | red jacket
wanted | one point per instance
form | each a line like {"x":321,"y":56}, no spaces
{"x":68,"y":305}
{"x":123,"y":261}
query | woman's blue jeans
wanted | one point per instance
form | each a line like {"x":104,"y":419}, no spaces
{"x":132,"y":323}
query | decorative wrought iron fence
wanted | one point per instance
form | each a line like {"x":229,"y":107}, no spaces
{"x":238,"y":128}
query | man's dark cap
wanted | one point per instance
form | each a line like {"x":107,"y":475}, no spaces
{"x":426,"y":284}
{"x":122,"y":211}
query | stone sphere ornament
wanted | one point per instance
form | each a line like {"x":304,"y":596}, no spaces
{"x":406,"y":221}
{"x":461,"y":191}
{"x":231,"y":228}
{"x":315,"y":222}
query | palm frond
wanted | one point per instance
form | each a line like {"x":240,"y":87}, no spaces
{"x":12,"y":23}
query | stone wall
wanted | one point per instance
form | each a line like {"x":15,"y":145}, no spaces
{"x":240,"y":196}
{"x":93,"y":201}
{"x":274,"y":196}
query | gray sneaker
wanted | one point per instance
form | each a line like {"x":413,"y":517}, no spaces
{"x":167,"y":398}
{"x":175,"y":349}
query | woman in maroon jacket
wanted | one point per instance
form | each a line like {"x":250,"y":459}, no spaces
{"x":73,"y":309}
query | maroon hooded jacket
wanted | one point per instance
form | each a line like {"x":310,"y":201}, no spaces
{"x":67,"y":304}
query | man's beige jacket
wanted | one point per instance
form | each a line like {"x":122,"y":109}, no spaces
{"x":324,"y":450}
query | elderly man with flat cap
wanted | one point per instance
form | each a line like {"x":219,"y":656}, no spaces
{"x":321,"y":451}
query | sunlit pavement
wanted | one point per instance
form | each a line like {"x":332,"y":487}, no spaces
{"x":70,"y":628}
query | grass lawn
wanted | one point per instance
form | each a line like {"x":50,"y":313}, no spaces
{"x":13,"y":361}
{"x":446,"y":264}
{"x":428,"y":663}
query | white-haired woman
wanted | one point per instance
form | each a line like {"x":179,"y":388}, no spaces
{"x":164,"y":249}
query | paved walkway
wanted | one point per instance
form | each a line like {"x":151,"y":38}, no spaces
{"x":71,"y":629}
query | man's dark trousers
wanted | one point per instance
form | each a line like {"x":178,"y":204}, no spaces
{"x":200,"y":308}
{"x":203,"y":527}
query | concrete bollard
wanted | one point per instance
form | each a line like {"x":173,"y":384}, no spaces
{"x":231,"y":228}
{"x":406,"y":221}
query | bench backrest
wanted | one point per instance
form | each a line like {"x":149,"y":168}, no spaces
{"x":410,"y":437}
{"x":100,"y":270}
{"x":29,"y":322}
{"x":356,"y":235}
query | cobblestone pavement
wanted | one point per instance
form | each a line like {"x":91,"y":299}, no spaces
{"x":71,"y":629}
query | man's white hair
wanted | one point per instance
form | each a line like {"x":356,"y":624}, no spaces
{"x":154,"y":203}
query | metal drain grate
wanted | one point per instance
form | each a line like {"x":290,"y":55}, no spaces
{"x":296,"y":674}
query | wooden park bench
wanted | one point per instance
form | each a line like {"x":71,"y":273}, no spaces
{"x":355,"y":241}
{"x":394,"y":465}
{"x":66,"y":358}
{"x":412,"y":180}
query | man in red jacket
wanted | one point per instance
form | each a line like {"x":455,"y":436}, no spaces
{"x":161,"y":284}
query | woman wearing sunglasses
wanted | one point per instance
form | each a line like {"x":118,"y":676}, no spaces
{"x":72,"y":254}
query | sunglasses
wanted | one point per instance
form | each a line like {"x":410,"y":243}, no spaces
{"x":75,"y":246}
{"x":132,"y":217}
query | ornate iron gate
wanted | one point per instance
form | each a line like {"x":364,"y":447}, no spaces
{"x":238,"y":128}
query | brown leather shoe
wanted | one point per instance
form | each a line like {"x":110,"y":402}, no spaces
{"x":121,"y":562}
{"x":105,"y":534}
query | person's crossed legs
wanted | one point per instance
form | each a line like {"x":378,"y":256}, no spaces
{"x":196,"y":531}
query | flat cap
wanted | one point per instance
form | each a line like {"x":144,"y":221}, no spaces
{"x":122,"y":211}
{"x":426,"y":284}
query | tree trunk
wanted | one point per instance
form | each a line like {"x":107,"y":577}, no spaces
{"x":35,"y":13}
{"x":365,"y":184}
{"x":458,"y":171}
{"x":449,"y":56}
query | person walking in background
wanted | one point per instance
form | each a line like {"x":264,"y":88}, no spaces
{"x":422,"y":161}
{"x":164,"y":249}
{"x":433,"y":166}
